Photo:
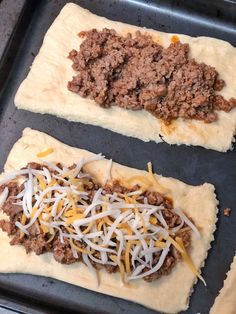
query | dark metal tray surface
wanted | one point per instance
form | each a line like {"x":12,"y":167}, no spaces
{"x":194,"y":165}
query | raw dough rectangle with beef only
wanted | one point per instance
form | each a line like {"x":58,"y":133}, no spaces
{"x":45,"y":88}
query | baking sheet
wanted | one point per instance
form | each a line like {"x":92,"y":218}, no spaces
{"x":193,"y":165}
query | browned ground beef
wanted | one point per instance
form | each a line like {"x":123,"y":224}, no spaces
{"x":62,"y":252}
{"x":154,"y":198}
{"x":166,"y":268}
{"x":227,"y":212}
{"x":40,"y":243}
{"x":138,"y":73}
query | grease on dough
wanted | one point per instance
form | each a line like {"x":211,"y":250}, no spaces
{"x":199,"y":202}
{"x":45,"y":88}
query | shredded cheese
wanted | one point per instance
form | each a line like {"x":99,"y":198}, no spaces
{"x":127,"y":259}
{"x":153,"y":220}
{"x":121,"y":266}
{"x":100,"y":224}
{"x":125,"y":226}
{"x":60,"y":205}
{"x":45,"y":153}
{"x":52,"y":182}
{"x":47,"y":209}
{"x":44,"y":228}
{"x":143,"y":222}
{"x":70,"y":230}
{"x":73,"y":212}
{"x":78,"y":248}
{"x":154,"y":181}
{"x":42,"y":184}
{"x":188,"y":260}
{"x":106,"y":219}
{"x":22,"y":221}
{"x":3,"y":196}
{"x":119,"y":229}
{"x":88,"y":228}
{"x":34,"y":209}
{"x":73,"y":218}
{"x":160,"y":244}
{"x":176,"y":245}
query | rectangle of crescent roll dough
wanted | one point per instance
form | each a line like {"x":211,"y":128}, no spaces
{"x":225,"y":302}
{"x":45,"y":88}
{"x":169,"y":293}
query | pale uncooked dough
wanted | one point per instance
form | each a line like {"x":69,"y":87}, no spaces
{"x":225,"y":303}
{"x":45,"y":88}
{"x":169,"y":293}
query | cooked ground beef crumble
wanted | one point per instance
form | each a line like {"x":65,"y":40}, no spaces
{"x":227,"y":212}
{"x":135,"y":72}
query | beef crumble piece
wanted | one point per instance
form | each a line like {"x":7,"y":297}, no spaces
{"x":62,"y":252}
{"x":117,"y":187}
{"x":227,"y":212}
{"x":135,"y":72}
{"x":39,"y":242}
{"x":166,"y":268}
{"x":154,"y":198}
{"x":10,"y":209}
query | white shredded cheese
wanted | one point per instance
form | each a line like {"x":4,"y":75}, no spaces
{"x":3,"y":196}
{"x":110,"y":228}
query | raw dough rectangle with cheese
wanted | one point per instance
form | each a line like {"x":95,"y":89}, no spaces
{"x":45,"y":88}
{"x":164,"y":294}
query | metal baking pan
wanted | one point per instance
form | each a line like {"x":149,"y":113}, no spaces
{"x":194,"y":165}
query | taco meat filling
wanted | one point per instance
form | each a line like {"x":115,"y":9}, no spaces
{"x":135,"y":72}
{"x":63,"y":210}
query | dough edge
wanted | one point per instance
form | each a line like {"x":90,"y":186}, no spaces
{"x":225,"y":302}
